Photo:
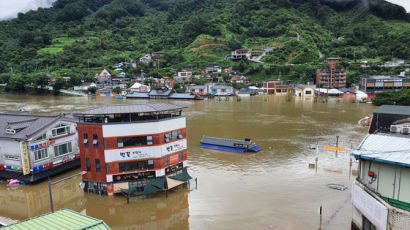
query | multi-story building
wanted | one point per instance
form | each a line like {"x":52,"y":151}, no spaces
{"x":277,"y":87}
{"x":103,"y":79}
{"x":35,"y":147}
{"x":332,"y":77}
{"x":211,"y":89}
{"x":183,"y":77}
{"x":129,"y":146}
{"x":375,"y":84}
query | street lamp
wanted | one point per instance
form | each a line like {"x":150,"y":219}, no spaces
{"x":56,"y":182}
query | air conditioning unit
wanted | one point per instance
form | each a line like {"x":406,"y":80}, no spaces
{"x":405,"y":130}
{"x":395,"y":129}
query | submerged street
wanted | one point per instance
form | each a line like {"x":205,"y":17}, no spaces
{"x":272,"y":189}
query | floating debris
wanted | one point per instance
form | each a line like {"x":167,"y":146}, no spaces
{"x":337,"y":187}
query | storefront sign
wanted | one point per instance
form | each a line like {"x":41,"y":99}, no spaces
{"x":174,"y":147}
{"x":373,"y":210}
{"x":131,"y":154}
{"x":133,"y":176}
{"x":24,"y":158}
{"x":126,"y":154}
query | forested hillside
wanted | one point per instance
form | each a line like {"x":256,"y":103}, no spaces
{"x":80,"y":36}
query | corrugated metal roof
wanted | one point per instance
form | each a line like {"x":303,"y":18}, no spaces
{"x":222,"y":87}
{"x":181,"y":96}
{"x":63,"y":219}
{"x":388,"y":148}
{"x":160,"y":93}
{"x":25,"y":125}
{"x":134,"y":108}
{"x":137,"y":95}
{"x":394,"y":109}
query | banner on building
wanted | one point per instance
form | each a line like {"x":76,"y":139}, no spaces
{"x":25,"y":157}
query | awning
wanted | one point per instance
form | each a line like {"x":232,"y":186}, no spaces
{"x":183,"y":176}
{"x":159,"y":183}
{"x":150,"y":189}
{"x":173,"y":183}
{"x":129,"y":191}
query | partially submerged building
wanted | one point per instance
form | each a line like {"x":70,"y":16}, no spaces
{"x":381,"y":192}
{"x":34,"y":147}
{"x":134,"y":147}
{"x":332,"y":77}
{"x":375,"y":84}
{"x":277,"y":87}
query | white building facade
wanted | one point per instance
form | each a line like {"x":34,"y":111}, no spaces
{"x":31,"y":145}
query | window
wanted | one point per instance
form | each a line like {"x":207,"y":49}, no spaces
{"x":106,"y":169}
{"x":181,"y":156}
{"x":85,"y":140}
{"x":173,"y":135}
{"x":88,"y":164}
{"x":95,"y":141}
{"x":105,"y":143}
{"x":223,"y":90}
{"x":40,"y":154}
{"x":61,"y":129}
{"x":201,"y":90}
{"x":42,"y":137}
{"x":63,"y":149}
{"x":134,"y":141}
{"x":97,"y":166}
{"x":167,"y":161}
{"x":136,"y":165}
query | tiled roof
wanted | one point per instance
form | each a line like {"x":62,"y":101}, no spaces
{"x":25,"y":125}
{"x":63,"y":219}
{"x":387,"y":148}
{"x":133,"y":108}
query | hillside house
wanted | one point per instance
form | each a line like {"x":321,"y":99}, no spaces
{"x":183,"y":77}
{"x":238,"y":79}
{"x":146,"y":59}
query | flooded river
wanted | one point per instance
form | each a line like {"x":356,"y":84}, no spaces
{"x":272,"y":189}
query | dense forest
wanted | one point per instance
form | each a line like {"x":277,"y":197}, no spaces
{"x":80,"y":37}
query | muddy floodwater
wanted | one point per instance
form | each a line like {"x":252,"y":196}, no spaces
{"x":272,"y":189}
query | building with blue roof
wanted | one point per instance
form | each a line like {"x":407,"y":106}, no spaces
{"x":381,"y":192}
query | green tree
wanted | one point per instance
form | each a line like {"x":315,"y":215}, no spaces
{"x":117,"y":90}
{"x":59,"y":83}
{"x":92,"y":89}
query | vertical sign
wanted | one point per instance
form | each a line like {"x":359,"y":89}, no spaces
{"x":24,"y":157}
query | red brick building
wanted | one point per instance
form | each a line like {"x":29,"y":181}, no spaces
{"x":124,"y":146}
{"x":332,"y":77}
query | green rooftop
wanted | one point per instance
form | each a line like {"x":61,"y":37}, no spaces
{"x":394,"y":109}
{"x":63,"y":219}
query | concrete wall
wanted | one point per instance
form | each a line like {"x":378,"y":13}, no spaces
{"x":10,"y":148}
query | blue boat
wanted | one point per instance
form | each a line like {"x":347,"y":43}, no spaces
{"x":229,"y":144}
{"x":119,"y":97}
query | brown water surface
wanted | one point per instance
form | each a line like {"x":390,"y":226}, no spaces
{"x":272,"y":189}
